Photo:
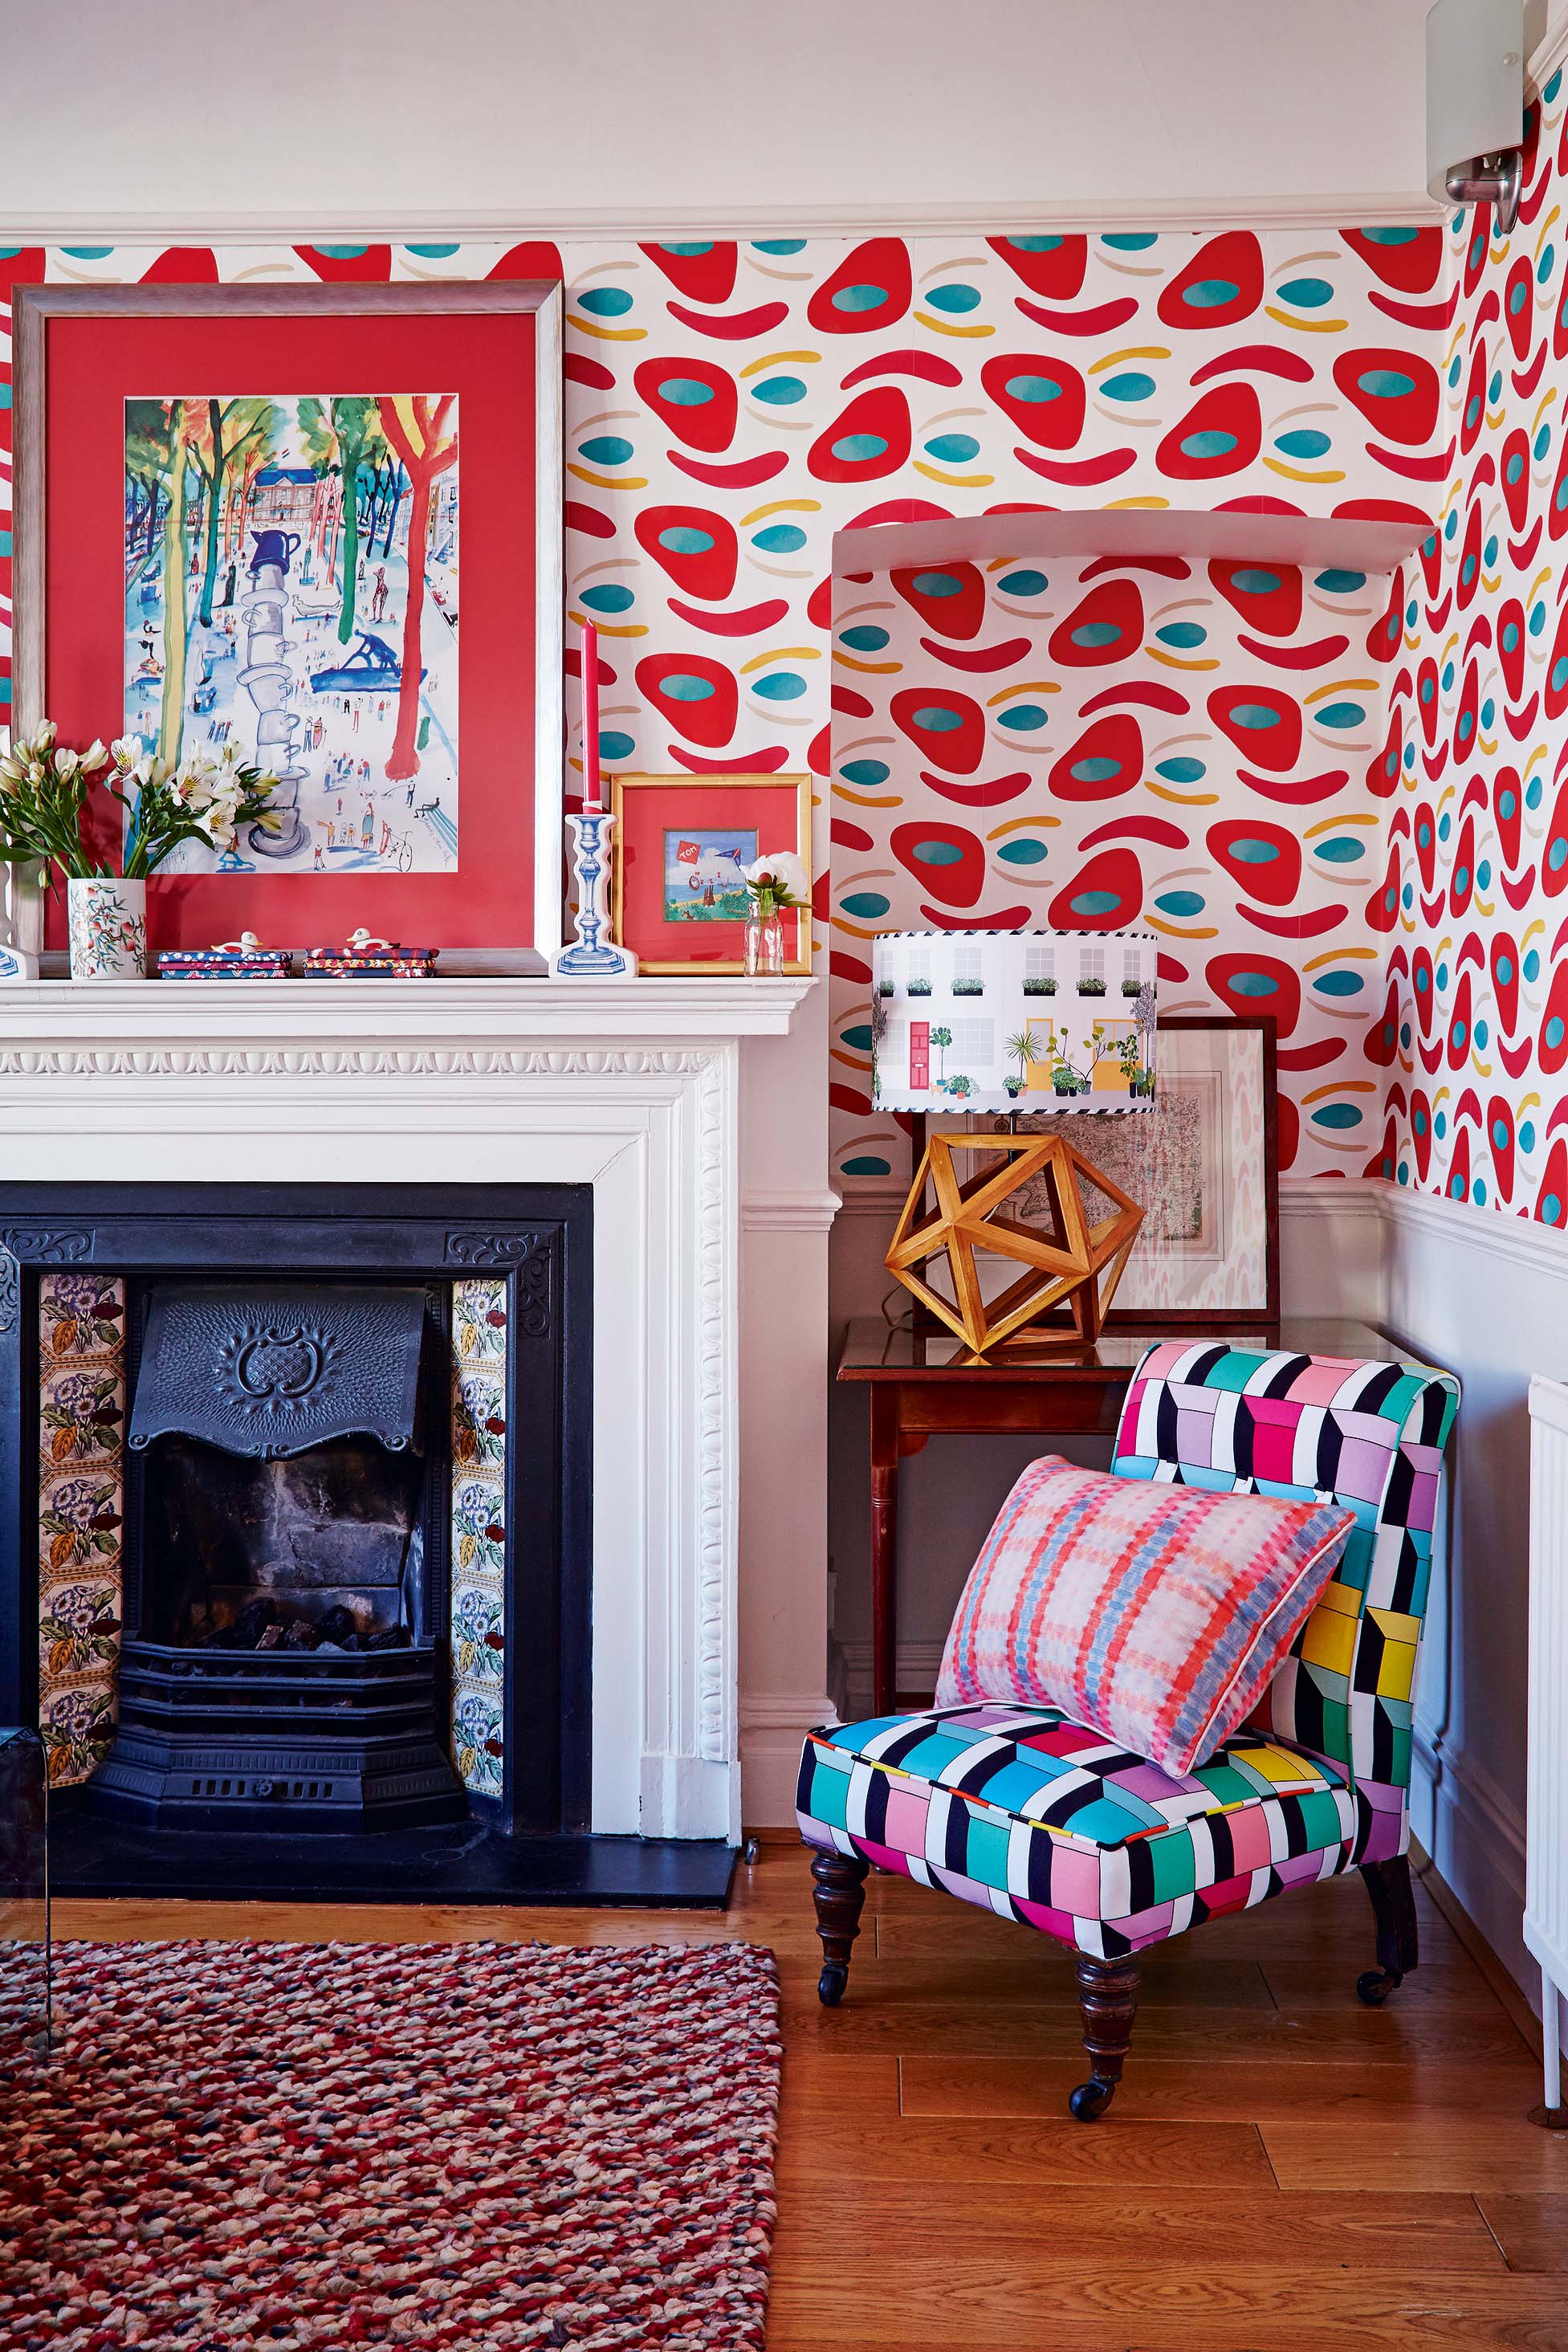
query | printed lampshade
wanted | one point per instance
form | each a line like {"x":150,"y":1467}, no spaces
{"x":1014,"y":1020}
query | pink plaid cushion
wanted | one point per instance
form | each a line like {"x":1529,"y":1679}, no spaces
{"x":1155,"y":1612}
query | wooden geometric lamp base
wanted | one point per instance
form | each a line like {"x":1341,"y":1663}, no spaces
{"x":1066,"y":1261}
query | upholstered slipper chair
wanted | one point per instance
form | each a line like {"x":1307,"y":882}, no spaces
{"x":1026,"y":1812}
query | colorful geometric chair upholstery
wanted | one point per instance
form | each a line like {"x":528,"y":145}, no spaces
{"x":1026,"y":1813}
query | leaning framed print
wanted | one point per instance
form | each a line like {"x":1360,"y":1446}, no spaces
{"x":1203,"y":1165}
{"x":682,"y":845}
{"x":320,"y":524}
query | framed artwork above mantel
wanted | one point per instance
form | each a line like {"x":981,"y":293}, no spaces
{"x":321,"y":523}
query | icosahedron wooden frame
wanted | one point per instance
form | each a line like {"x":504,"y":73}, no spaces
{"x":1072,"y":1263}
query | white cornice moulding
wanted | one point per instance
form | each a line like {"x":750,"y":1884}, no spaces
{"x":999,"y":215}
{"x":787,"y":1213}
{"x":1549,"y":52}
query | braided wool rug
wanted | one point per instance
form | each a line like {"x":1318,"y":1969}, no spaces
{"x":300,"y":2148}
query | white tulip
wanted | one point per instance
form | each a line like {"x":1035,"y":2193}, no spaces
{"x":94,"y":758}
{"x":44,"y":740}
{"x":66,"y":764}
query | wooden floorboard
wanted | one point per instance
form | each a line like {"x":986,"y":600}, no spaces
{"x":1282,"y":2169}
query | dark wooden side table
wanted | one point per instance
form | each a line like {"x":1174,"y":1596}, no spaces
{"x":926,"y":1384}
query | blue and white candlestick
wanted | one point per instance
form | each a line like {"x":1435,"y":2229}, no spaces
{"x":593,"y":954}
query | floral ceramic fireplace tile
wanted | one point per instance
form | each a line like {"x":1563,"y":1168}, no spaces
{"x":478,"y":1529}
{"x":81,"y":1322}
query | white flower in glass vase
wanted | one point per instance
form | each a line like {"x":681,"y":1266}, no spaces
{"x":774,"y":882}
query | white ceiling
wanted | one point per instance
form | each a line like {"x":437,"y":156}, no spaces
{"x":215,"y":114}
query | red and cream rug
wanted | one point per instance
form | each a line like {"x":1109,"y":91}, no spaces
{"x":296,"y":2147}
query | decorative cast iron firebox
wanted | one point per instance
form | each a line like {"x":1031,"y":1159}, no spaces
{"x":310,"y":1469}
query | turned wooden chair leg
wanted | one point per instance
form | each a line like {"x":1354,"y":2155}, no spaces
{"x":1108,"y":1997}
{"x":1398,"y":1944}
{"x":838,"y":1893}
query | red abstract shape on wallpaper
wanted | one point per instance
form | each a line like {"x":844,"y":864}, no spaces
{"x":534,"y":258}
{"x":1382,"y":1036}
{"x":1519,"y":306}
{"x":946,"y":728}
{"x":703,"y":272}
{"x":696,"y":697}
{"x":1383,"y":773}
{"x":1106,"y":895}
{"x":1221,"y":284}
{"x":1510,"y":648}
{"x":1384,"y":1159}
{"x":1262,"y":859}
{"x":870,"y":289}
{"x":1473,"y":415}
{"x":1043,"y":395}
{"x":1247,"y":983}
{"x":1555,"y":700}
{"x":1268,"y":599}
{"x":1431,"y":553}
{"x":197,"y":265}
{"x":1263,"y":724}
{"x":1221,"y":434}
{"x":1423,"y":987}
{"x":950,"y":597}
{"x":1459,"y":1024}
{"x":1515,"y":473}
{"x":1424,"y":830}
{"x":1397,"y":393}
{"x":1504,"y":961}
{"x":1106,"y":626}
{"x":1458,"y":1184}
{"x":1408,"y":259}
{"x":1383,"y":908}
{"x":1049,"y":265}
{"x":696,"y":548}
{"x":696,"y":399}
{"x":1466,"y":714}
{"x":1106,"y":761}
{"x":945,"y":860}
{"x":1469,"y":571}
{"x":870,"y":438}
{"x":1426,"y":700}
{"x":1551,"y":1048}
{"x":1501,"y":1141}
{"x":1383,"y":637}
{"x":1557,"y":505}
{"x":1552,"y":1199}
{"x":1554,"y":856}
{"x":1421,"y":1131}
{"x":1462,"y":872}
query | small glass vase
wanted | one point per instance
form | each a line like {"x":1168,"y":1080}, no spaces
{"x":108,"y":928}
{"x":764,"y":944}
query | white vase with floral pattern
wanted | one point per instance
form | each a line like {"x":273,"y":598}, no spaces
{"x":109,"y":927}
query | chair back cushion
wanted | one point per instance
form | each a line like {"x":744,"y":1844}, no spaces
{"x":1363,"y":1434}
{"x":1157,"y":1614}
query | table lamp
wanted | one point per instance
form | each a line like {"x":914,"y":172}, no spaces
{"x":1011,"y":1020}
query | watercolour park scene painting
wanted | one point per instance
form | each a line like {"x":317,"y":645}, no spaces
{"x":291,"y":587}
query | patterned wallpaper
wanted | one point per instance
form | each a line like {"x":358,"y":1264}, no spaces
{"x":1182,"y":746}
{"x":1472,"y":1035}
{"x":728,"y":407}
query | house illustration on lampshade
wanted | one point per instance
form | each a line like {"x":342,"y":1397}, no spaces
{"x":1014,"y":1020}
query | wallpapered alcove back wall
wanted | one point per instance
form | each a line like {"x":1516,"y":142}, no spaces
{"x":1208,"y":750}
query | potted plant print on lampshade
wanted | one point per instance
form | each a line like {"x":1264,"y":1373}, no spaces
{"x":48,"y":799}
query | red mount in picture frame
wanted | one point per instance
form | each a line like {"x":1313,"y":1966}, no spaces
{"x":682,"y":842}
{"x":81,"y":352}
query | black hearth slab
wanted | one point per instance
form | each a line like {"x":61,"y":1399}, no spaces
{"x":463,"y":1864}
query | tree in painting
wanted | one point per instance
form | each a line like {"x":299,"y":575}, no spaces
{"x":417,"y":429}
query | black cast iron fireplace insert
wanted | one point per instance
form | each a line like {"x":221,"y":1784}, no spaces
{"x":349,"y":1520}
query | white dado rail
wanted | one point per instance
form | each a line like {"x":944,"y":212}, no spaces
{"x":632,"y":1086}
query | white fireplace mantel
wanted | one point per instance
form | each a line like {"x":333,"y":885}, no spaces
{"x":632,"y":1086}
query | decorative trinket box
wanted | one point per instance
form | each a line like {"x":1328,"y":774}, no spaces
{"x":241,"y":959}
{"x":366,"y":957}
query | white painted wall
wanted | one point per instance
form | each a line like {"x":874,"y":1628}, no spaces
{"x":392,"y":114}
